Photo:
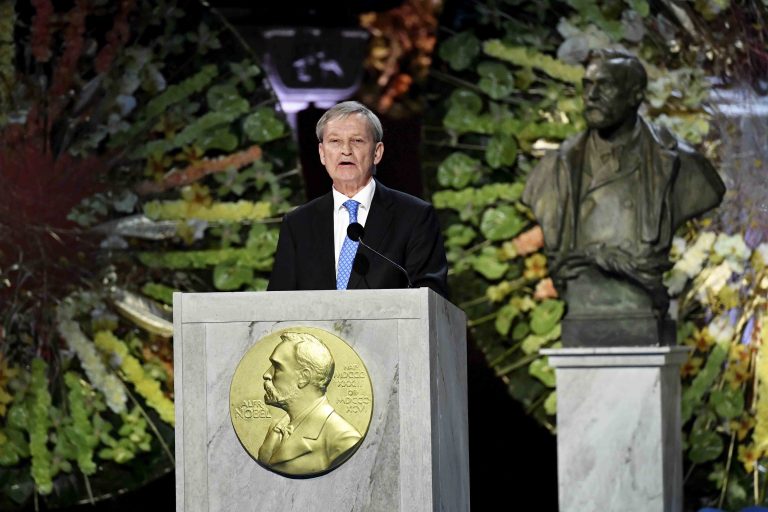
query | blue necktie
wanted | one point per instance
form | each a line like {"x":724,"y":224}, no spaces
{"x":348,"y":249}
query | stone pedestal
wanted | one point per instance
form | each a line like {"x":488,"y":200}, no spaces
{"x":618,"y":428}
{"x":415,"y":456}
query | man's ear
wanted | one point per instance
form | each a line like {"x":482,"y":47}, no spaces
{"x":322,"y":152}
{"x":378,"y":152}
{"x":638,"y":95}
{"x":304,"y":377}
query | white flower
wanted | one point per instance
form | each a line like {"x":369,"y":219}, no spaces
{"x":721,"y":329}
{"x":675,"y":280}
{"x":762,"y":251}
{"x":678,"y":247}
{"x":733,"y":249}
{"x":714,"y":279}
{"x":94,"y":367}
{"x":693,"y":258}
{"x":704,"y":241}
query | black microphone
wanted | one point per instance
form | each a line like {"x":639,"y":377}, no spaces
{"x":355,"y":232}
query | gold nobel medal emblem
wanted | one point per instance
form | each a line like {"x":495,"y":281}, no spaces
{"x":301,"y":401}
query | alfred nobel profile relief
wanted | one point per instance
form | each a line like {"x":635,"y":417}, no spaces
{"x":609,"y":201}
{"x":311,"y":437}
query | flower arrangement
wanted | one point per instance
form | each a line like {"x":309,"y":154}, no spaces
{"x":510,"y":81}
{"x":139,"y":158}
{"x":721,"y":286}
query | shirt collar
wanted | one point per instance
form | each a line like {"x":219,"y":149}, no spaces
{"x":603,"y":146}
{"x":364,"y":196}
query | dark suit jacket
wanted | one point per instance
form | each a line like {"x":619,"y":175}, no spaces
{"x":400,"y":226}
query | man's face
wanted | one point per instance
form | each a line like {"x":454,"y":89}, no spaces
{"x":348,"y":152}
{"x":281,"y":380}
{"x":609,"y":98}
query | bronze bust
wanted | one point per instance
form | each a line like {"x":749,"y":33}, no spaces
{"x":609,"y":201}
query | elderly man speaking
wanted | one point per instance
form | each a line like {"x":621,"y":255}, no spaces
{"x":314,"y":251}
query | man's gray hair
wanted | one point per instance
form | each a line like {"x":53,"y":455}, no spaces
{"x":311,"y":353}
{"x":346,"y":109}
{"x":633,"y":68}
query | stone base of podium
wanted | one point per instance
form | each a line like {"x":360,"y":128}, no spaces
{"x":415,"y":456}
{"x":618,"y":428}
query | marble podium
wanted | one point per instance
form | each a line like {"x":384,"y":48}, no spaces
{"x":618,"y":428}
{"x":415,"y":456}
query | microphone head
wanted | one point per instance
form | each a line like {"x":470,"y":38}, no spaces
{"x":355,"y":231}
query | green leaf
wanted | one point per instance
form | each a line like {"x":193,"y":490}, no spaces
{"x":684,"y":330}
{"x":488,"y":264}
{"x":550,"y":403}
{"x":728,"y":403}
{"x":458,"y":170}
{"x":262,"y":242}
{"x":521,"y":330}
{"x":705,"y":446}
{"x":504,"y":318}
{"x":222,"y":96}
{"x":18,"y":416}
{"x":702,"y":383}
{"x":159,"y":292}
{"x":502,"y":223}
{"x":460,"y":50}
{"x":534,"y":342}
{"x":459,"y":235}
{"x":221,"y":138}
{"x":463,"y":121}
{"x":496,"y":79}
{"x":263,"y":126}
{"x":641,"y":7}
{"x":501,"y":152}
{"x":231,"y":277}
{"x":540,"y":369}
{"x":704,"y":418}
{"x":546,"y":316}
{"x":179,"y":92}
{"x":465,"y":100}
{"x":530,"y":58}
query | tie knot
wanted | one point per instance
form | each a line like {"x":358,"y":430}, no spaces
{"x":351,"y":206}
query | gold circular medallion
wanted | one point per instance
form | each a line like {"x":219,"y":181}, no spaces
{"x":301,"y":401}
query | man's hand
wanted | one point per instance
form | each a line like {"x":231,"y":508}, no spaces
{"x":569,"y":266}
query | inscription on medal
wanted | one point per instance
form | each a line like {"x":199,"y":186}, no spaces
{"x":251,"y":410}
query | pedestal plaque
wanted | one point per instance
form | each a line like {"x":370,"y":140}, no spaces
{"x":618,"y":428}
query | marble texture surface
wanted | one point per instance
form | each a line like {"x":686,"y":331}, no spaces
{"x":415,"y":455}
{"x":618,"y":428}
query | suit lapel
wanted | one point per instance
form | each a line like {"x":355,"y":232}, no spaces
{"x":571,"y":177}
{"x":661,"y":167}
{"x":322,"y":232}
{"x":376,"y":226}
{"x":309,"y":430}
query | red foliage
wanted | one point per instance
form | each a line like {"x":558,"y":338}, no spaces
{"x":74,"y":43}
{"x":116,"y":37}
{"x":39,"y":190}
{"x":41,"y":30}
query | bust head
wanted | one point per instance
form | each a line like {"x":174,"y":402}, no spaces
{"x":614,"y":86}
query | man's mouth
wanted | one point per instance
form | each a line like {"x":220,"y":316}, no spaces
{"x":346,"y":163}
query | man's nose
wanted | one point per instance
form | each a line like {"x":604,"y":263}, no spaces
{"x":346,"y":147}
{"x":268,"y":374}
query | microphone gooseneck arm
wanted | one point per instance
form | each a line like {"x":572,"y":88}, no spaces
{"x":355,"y":232}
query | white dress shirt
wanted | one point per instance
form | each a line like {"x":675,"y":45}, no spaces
{"x":341,"y":215}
